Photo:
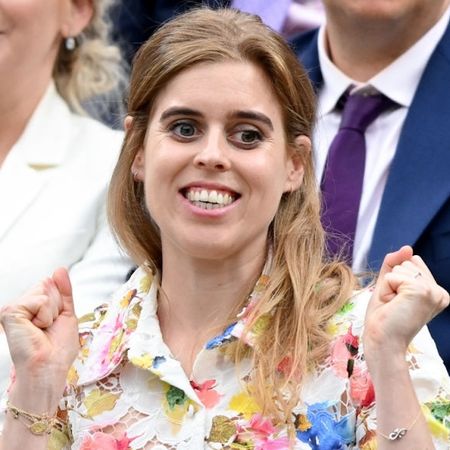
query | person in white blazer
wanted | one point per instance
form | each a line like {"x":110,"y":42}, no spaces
{"x":55,"y":162}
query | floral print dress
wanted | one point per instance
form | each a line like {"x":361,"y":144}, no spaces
{"x":126,"y":390}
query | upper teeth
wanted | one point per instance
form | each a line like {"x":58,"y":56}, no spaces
{"x":209,"y":196}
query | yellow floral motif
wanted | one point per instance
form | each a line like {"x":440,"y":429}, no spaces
{"x":115,"y":343}
{"x":244,"y":404}
{"x":222,"y":429}
{"x":370,"y":445}
{"x":332,"y":329}
{"x":97,"y":402}
{"x":127,"y":298}
{"x":72,"y":376}
{"x":302,"y":423}
{"x":145,"y":361}
{"x":87,"y":318}
{"x":261,"y":324}
{"x":58,"y":440}
{"x":262,"y":284}
{"x":145,"y":283}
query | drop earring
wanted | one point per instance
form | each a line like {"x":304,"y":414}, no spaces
{"x":70,"y":43}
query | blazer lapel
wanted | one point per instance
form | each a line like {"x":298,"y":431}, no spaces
{"x":33,"y":159}
{"x":305,"y":46}
{"x":19,"y":186}
{"x":418,"y":182}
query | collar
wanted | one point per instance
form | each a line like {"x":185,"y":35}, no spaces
{"x":393,"y":81}
{"x":34,"y":146}
{"x":129,"y":326}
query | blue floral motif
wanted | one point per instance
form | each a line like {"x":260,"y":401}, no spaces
{"x":221,"y":339}
{"x":325,"y":432}
{"x":157,"y":361}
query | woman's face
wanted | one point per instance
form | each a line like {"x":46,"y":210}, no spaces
{"x":215,"y":162}
{"x":31,"y":32}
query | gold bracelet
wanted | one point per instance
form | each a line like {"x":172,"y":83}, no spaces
{"x":398,"y":433}
{"x":37,"y":424}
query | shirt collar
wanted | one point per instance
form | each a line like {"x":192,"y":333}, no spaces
{"x":129,"y":324}
{"x":393,"y":81}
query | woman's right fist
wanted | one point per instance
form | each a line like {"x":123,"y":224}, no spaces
{"x":42,"y":330}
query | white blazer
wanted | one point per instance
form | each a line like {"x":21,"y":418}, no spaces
{"x":53,"y":187}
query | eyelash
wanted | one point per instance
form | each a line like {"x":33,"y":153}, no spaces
{"x":258,"y":136}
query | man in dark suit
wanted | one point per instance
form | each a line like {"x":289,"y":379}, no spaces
{"x":400,"y":49}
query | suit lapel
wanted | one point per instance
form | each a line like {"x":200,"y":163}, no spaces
{"x":19,"y":186}
{"x":305,"y":47}
{"x":418,"y":182}
{"x":41,"y":148}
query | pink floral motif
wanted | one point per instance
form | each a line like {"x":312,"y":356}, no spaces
{"x":361,"y":387}
{"x":105,"y":441}
{"x":260,"y":432}
{"x":344,"y":349}
{"x":206,"y":393}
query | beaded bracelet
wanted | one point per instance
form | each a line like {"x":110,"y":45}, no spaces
{"x":37,"y":424}
{"x":398,"y":433}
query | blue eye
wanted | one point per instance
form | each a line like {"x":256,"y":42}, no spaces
{"x":183,"y":129}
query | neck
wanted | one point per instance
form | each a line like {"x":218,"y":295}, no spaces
{"x":362,"y":48}
{"x":198,"y":296}
{"x":19,"y":100}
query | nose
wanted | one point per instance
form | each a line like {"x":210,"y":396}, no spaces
{"x":213,"y":153}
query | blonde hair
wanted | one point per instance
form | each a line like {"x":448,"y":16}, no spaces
{"x":94,"y":67}
{"x":304,"y":290}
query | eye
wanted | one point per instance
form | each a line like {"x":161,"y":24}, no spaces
{"x":247,"y":138}
{"x":184,"y":129}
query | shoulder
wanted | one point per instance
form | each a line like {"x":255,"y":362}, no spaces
{"x":306,"y":42}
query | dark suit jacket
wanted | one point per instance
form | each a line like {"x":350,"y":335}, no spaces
{"x":415,"y":207}
{"x":136,"y":20}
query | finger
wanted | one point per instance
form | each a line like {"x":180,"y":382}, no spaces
{"x":40,"y":308}
{"x":62,"y":282}
{"x":420,"y":263}
{"x":394,"y":259}
{"x":412,"y":270}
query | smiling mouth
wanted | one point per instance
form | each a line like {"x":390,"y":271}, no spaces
{"x":209,"y":199}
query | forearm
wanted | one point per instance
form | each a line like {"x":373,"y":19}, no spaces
{"x":397,"y":405}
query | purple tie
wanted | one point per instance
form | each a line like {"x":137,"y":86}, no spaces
{"x":272,"y":13}
{"x":343,"y":176}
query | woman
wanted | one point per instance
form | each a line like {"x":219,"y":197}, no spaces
{"x":55,"y":164}
{"x":234,"y":332}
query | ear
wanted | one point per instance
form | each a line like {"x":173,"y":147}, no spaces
{"x":295,"y":168}
{"x":79,"y":15}
{"x":128,"y":123}
{"x":138,"y":166}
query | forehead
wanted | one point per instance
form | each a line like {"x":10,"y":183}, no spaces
{"x":221,"y":86}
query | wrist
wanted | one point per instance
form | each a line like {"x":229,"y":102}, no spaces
{"x":36,"y":398}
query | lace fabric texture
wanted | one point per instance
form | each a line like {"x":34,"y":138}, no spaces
{"x":126,"y":391}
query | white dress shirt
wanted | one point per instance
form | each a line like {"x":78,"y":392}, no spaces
{"x":399,"y":82}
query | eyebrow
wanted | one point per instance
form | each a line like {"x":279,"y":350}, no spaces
{"x":179,"y":111}
{"x":253,"y":115}
{"x":240,"y":114}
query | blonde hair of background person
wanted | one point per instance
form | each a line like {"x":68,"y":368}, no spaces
{"x":304,"y":291}
{"x":95,"y":66}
